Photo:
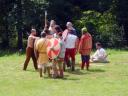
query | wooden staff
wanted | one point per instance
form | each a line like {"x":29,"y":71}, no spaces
{"x":45,"y":19}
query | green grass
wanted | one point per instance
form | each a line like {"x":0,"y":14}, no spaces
{"x":102,"y":79}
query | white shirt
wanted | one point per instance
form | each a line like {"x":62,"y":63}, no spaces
{"x":100,"y":54}
{"x":70,"y":41}
{"x":63,"y":49}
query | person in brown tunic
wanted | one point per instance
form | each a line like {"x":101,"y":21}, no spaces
{"x":30,"y":50}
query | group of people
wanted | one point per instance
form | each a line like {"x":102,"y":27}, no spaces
{"x":70,"y":46}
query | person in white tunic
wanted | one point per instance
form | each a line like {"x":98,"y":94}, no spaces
{"x":100,"y":55}
{"x":71,"y":45}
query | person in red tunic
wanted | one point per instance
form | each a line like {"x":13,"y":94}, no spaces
{"x":30,"y":50}
{"x":85,"y":47}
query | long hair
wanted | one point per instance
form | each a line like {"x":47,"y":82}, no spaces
{"x":58,"y":28}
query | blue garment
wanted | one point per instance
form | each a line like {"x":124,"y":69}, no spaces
{"x":85,"y":58}
{"x":73,"y":32}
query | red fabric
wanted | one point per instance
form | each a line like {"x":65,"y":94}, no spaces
{"x":70,"y":53}
{"x":86,"y":41}
{"x":55,"y":42}
{"x":85,"y":44}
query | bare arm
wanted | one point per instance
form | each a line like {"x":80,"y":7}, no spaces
{"x":77,"y":44}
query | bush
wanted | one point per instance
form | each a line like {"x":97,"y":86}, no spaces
{"x":103,"y":28}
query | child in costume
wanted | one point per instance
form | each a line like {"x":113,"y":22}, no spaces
{"x":85,"y":47}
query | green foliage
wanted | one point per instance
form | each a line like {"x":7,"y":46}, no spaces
{"x":106,"y":20}
{"x":20,"y":17}
{"x":103,"y":27}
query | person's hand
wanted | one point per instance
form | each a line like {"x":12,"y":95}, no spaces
{"x":52,"y":48}
{"x":76,"y":52}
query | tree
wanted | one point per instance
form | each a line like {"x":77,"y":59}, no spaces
{"x":5,"y":7}
{"x":100,"y":16}
{"x":19,"y":23}
{"x":121,"y":12}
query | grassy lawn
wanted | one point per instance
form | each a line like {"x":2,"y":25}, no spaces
{"x":102,"y":80}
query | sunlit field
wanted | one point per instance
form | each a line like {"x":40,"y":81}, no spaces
{"x":103,"y":79}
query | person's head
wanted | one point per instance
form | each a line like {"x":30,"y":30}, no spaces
{"x":58,"y":29}
{"x":84,"y":30}
{"x":33,"y":32}
{"x":43,"y":34}
{"x":60,"y":34}
{"x":52,"y":23}
{"x":98,"y":45}
{"x":46,"y":31}
{"x":69,"y":26}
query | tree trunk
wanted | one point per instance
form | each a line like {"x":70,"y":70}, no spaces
{"x":19,"y":24}
{"x":5,"y":39}
{"x":4,"y":25}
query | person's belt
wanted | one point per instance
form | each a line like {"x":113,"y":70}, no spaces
{"x":42,"y":52}
{"x":85,"y":49}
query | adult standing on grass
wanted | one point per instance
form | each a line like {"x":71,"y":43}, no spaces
{"x":30,"y":50}
{"x":71,"y":44}
{"x":58,"y":62}
{"x":70,"y":29}
{"x":85,"y":47}
{"x":41,"y":54}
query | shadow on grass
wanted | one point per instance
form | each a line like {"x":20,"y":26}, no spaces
{"x":77,"y":72}
{"x":96,"y":70}
{"x":66,"y":78}
{"x":29,"y":70}
{"x":72,"y":79}
{"x":102,"y":62}
{"x":84,"y":72}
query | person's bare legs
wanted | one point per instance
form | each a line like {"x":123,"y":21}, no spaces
{"x":40,"y":72}
{"x":55,"y":71}
{"x":48,"y":70}
{"x":60,"y":64}
{"x":87,"y":65}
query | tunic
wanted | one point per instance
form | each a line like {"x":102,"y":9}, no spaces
{"x":100,"y":55}
{"x":63,"y":49}
{"x":41,"y":48}
{"x":85,"y":44}
{"x":30,"y":42}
